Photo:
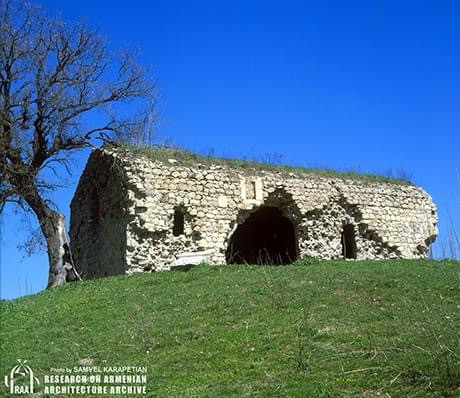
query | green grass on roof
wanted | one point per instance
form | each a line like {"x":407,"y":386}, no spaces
{"x":185,"y":157}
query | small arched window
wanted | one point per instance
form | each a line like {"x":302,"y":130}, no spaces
{"x":348,"y":241}
{"x":178,"y":222}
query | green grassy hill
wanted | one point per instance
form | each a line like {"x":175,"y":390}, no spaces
{"x":312,"y":329}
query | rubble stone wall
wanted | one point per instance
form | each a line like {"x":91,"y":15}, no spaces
{"x":98,"y":219}
{"x":134,"y":200}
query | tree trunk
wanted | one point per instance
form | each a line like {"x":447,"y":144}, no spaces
{"x":60,"y":260}
{"x":52,"y":224}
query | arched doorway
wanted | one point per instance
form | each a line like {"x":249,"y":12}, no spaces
{"x":266,"y":237}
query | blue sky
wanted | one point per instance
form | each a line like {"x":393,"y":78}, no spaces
{"x":371,"y":86}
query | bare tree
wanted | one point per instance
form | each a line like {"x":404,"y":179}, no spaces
{"x":54,"y":76}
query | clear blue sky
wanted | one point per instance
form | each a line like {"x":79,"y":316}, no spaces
{"x":366,"y":85}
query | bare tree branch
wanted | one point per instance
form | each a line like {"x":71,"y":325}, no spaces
{"x":54,"y":77}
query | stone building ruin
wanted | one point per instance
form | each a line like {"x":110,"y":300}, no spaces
{"x":150,"y":210}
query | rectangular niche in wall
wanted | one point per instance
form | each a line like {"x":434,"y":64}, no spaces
{"x":250,"y":189}
{"x":348,"y":241}
{"x":178,"y":222}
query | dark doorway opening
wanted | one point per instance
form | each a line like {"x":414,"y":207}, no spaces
{"x":348,"y":241}
{"x":178,"y":222}
{"x":266,"y":237}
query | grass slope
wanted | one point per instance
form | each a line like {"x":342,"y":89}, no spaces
{"x":312,"y":329}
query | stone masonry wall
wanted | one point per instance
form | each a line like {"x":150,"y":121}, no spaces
{"x":136,"y":199}
{"x":99,"y":218}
